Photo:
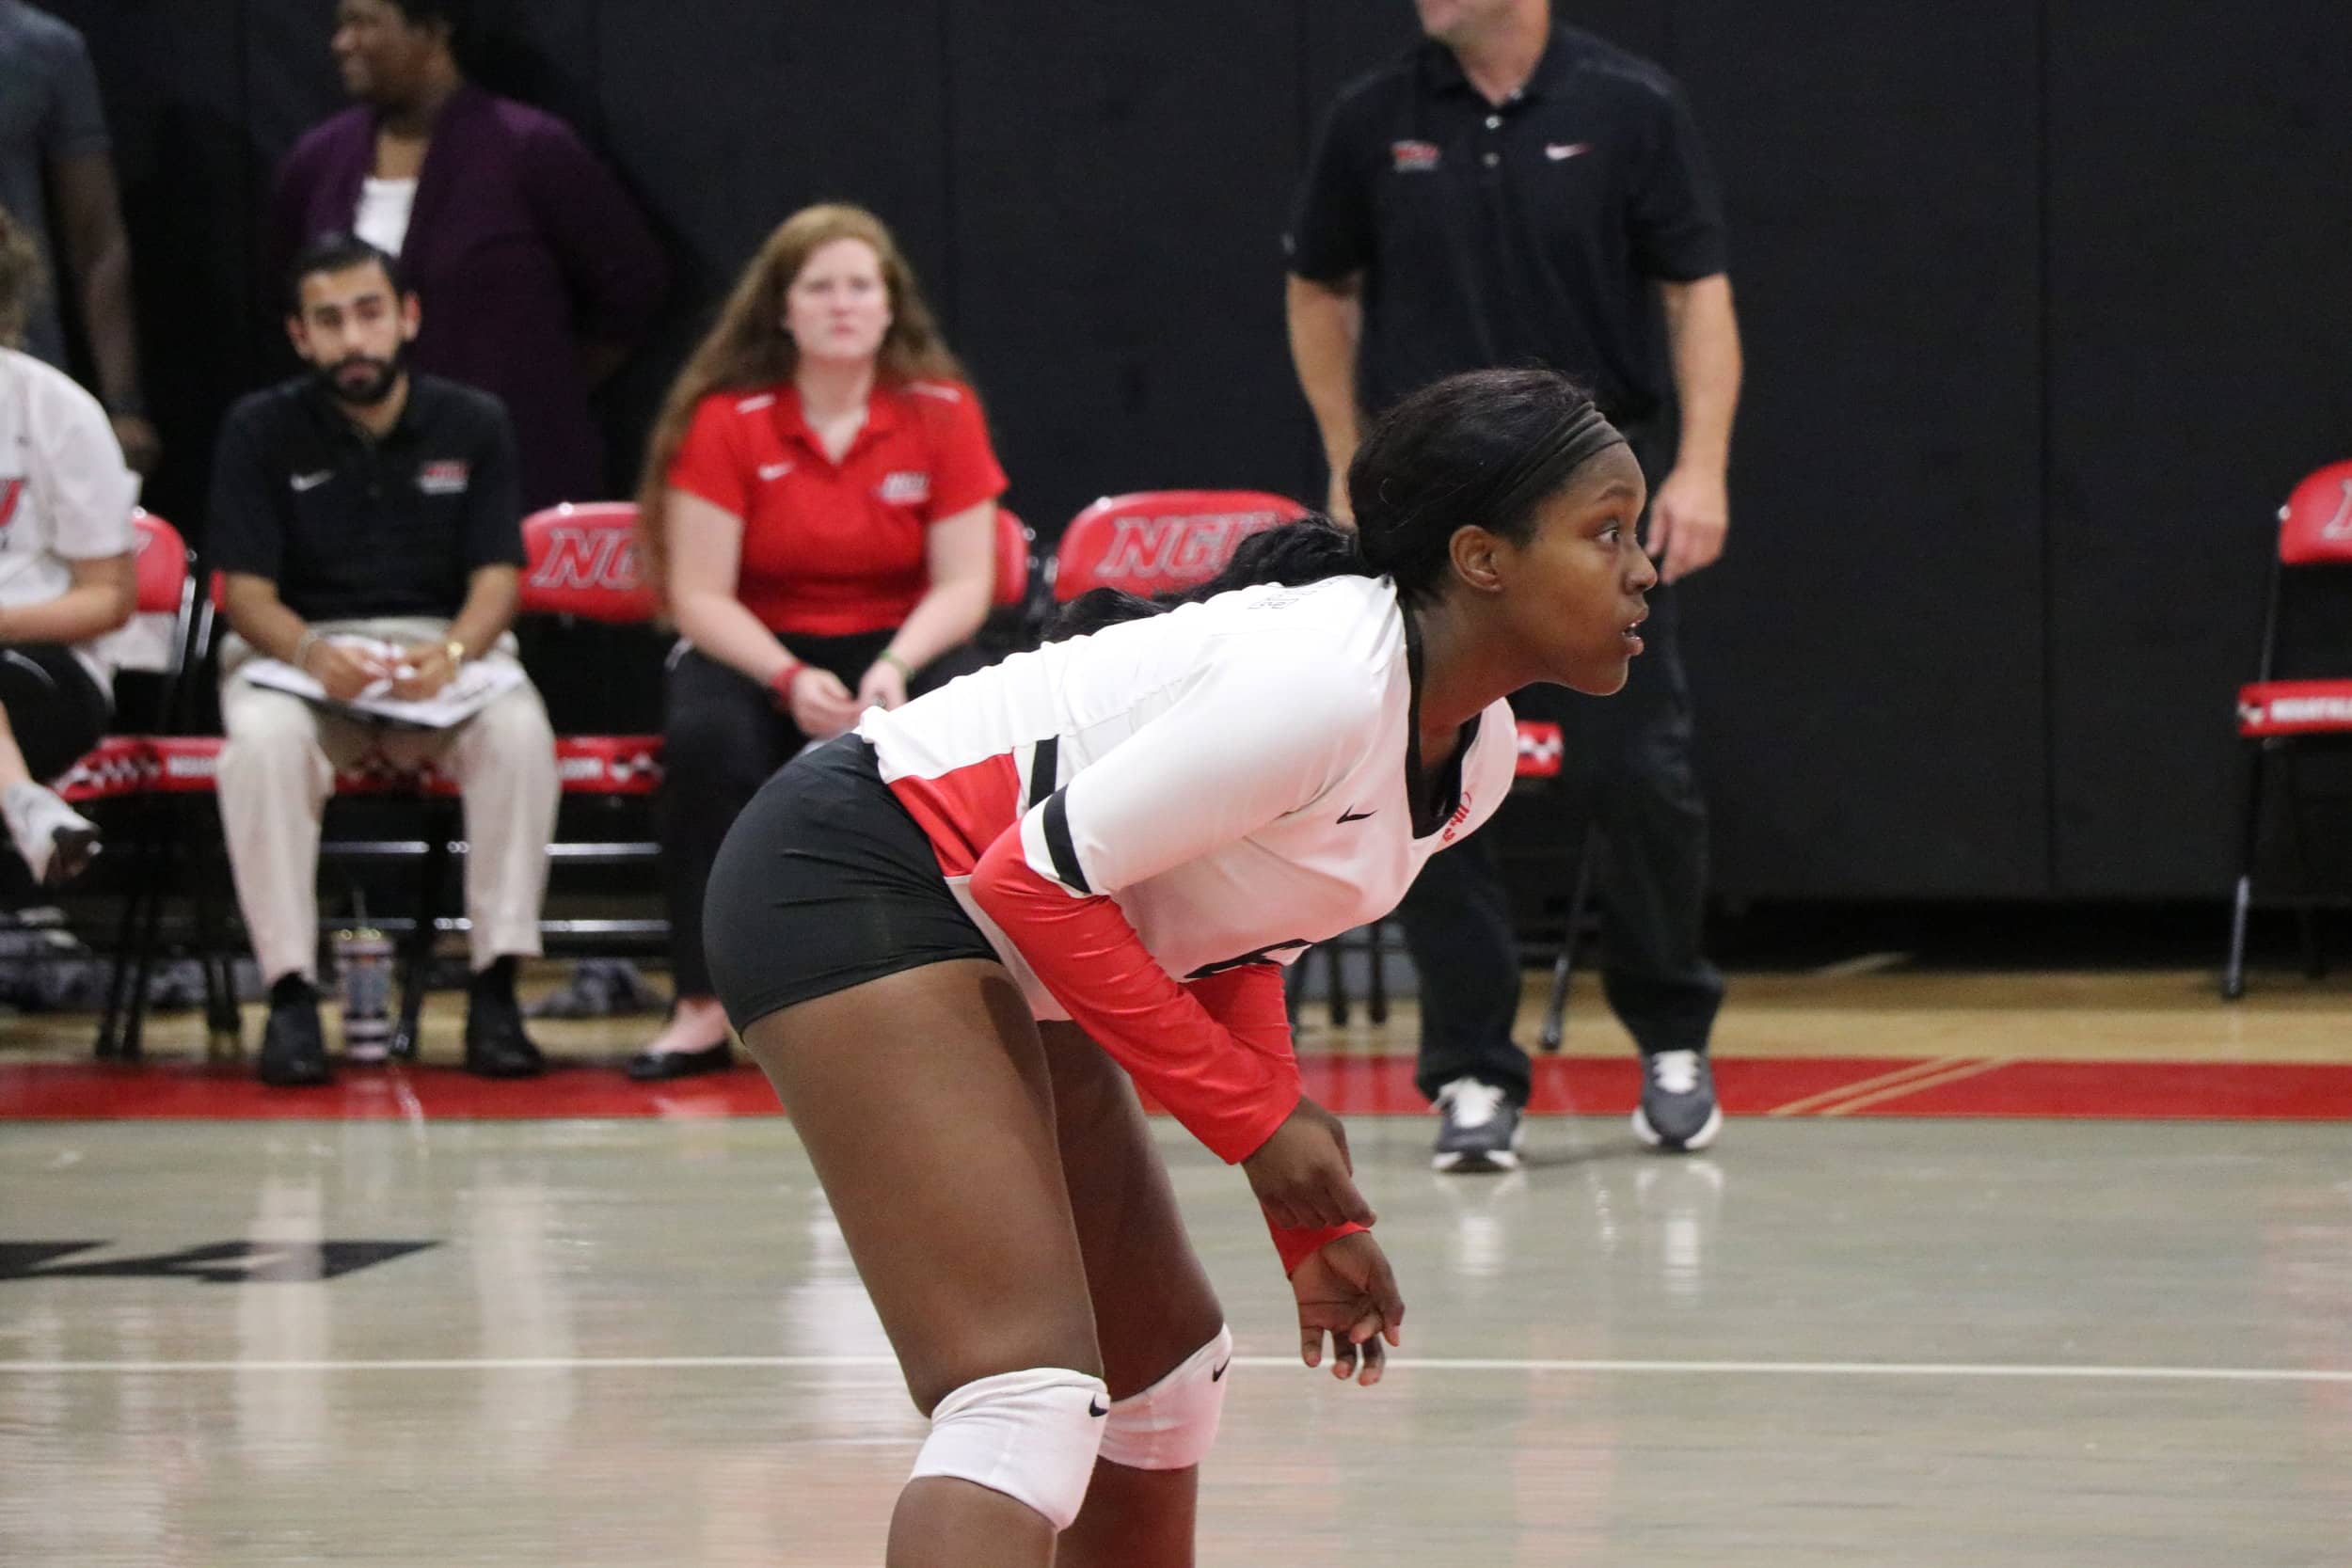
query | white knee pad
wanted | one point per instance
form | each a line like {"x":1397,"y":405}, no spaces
{"x":1172,"y":1424}
{"x":1030,"y":1434}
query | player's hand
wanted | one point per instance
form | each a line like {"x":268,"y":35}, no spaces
{"x":1347,"y":1295}
{"x":428,"y":668}
{"x":1303,"y":1176}
{"x":883,"y":686}
{"x":820,"y":705}
{"x":344,"y":670}
{"x":1688,"y":518}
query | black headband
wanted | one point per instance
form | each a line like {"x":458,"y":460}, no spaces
{"x":1547,"y":466}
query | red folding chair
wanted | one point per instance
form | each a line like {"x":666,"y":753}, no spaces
{"x":2277,"y":717}
{"x":580,"y":561}
{"x":1013,"y":565}
{"x":1161,"y":541}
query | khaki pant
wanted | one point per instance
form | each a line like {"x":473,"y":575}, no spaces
{"x":279,"y":768}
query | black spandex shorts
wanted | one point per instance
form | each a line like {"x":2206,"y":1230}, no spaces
{"x":825,"y":882}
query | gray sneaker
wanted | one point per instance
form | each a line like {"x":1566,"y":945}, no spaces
{"x":1678,"y":1110}
{"x":1479,"y":1131}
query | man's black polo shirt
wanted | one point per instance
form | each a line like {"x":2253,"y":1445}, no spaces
{"x":1517,"y":234}
{"x":349,"y":528}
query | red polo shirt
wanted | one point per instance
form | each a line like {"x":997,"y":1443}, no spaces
{"x":832,"y":550}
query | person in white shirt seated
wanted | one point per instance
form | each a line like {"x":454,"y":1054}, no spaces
{"x":367,"y":522}
{"x":66,"y":578}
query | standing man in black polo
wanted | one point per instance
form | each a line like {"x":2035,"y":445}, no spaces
{"x":367,"y":523}
{"x":1512,"y":192}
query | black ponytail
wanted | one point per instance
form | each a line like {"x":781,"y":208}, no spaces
{"x":1480,"y":449}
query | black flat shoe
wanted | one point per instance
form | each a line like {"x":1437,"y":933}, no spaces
{"x":649,"y":1067}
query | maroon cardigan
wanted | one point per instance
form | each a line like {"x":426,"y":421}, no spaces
{"x":521,"y":246}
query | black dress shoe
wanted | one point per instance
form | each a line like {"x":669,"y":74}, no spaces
{"x":654,"y":1066}
{"x":496,"y":1046}
{"x":294,"y":1048}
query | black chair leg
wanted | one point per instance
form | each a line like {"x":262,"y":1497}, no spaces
{"x":1555,"y":1027}
{"x":123,"y":973}
{"x":1376,"y":990}
{"x":1335,"y":976}
{"x":2306,"y":912}
{"x":2242,"y":896}
{"x":416,"y":959}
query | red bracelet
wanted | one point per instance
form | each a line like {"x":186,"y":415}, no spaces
{"x":781,"y":682}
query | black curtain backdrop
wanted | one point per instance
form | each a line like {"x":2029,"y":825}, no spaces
{"x":2047,"y":303}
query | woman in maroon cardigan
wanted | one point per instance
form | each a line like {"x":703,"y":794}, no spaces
{"x":534,"y":270}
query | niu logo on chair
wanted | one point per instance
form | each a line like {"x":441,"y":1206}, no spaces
{"x":1194,"y":546}
{"x":589,"y":558}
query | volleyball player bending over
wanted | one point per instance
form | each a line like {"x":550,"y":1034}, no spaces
{"x":944,"y":934}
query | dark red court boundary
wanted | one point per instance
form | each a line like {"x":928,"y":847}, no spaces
{"x":1374,"y":1086}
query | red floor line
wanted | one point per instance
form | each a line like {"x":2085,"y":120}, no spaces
{"x":1355,"y":1085}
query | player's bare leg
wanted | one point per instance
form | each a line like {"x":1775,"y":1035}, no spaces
{"x":1154,"y":1307}
{"x":924,"y":1102}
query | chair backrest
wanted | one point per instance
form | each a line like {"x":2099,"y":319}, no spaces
{"x":582,"y":560}
{"x":1161,"y":541}
{"x":1012,"y":562}
{"x":162,"y":563}
{"x":2315,"y":525}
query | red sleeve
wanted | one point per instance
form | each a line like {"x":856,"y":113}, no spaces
{"x":710,"y":461}
{"x":1248,"y":1001}
{"x":1230,"y":1091}
{"x":964,"y":471}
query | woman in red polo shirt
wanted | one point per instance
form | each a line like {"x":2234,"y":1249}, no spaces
{"x":819,"y":507}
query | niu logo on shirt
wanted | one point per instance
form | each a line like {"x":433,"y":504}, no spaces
{"x":10,"y":491}
{"x":1414,"y":157}
{"x":589,"y":558}
{"x":446,"y":478}
{"x":907,"y":488}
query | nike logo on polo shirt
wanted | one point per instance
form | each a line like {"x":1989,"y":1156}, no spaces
{"x":1351,"y":814}
{"x":1218,"y":1375}
{"x":309,"y":482}
{"x":770,"y":473}
{"x":1561,"y":152}
{"x":1093,"y":1409}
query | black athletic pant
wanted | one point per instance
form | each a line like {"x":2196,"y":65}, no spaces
{"x":722,"y":737}
{"x":56,"y":709}
{"x":1626,"y":764}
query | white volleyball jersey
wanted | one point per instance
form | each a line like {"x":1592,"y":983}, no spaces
{"x":1233,"y":775}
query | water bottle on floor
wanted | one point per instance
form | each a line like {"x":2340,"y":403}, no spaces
{"x":363,"y":965}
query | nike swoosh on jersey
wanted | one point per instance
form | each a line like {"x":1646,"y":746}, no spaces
{"x":1218,"y":1375}
{"x":773,"y":471}
{"x":309,"y":482}
{"x":1562,"y":151}
{"x":1348,"y":816}
{"x":1094,"y":1409}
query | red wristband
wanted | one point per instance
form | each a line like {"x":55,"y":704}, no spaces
{"x":781,"y":682}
